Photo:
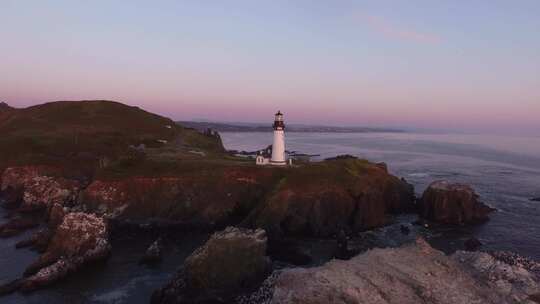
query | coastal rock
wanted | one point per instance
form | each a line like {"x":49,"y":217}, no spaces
{"x":17,"y":225}
{"x":56,"y":215}
{"x":37,"y":241}
{"x":230,"y":261}
{"x":80,"y":238}
{"x":515,"y":259}
{"x":11,"y":198}
{"x":448,"y":203}
{"x":512,"y":282}
{"x":153,"y":253}
{"x":413,"y":273}
{"x":38,"y":187}
{"x":324,"y":198}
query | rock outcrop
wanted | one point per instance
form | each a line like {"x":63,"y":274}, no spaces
{"x":37,"y":187}
{"x":80,"y":239}
{"x":414,"y":273}
{"x":231,"y":260}
{"x":511,"y":281}
{"x":448,"y":203}
{"x":17,"y":225}
{"x":324,"y":198}
{"x":37,"y":241}
{"x":153,"y":253}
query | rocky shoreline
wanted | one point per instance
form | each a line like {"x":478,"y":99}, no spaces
{"x":259,"y":260}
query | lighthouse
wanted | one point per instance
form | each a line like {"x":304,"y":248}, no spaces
{"x":275,"y":154}
{"x":278,"y":147}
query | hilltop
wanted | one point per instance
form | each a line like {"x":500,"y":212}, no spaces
{"x":91,"y":133}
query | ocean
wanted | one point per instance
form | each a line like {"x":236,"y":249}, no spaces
{"x":504,"y":170}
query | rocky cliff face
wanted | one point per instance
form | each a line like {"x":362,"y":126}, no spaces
{"x":414,"y":273}
{"x":314,"y":200}
{"x":38,"y":187}
{"x":208,"y":197}
{"x":324,"y":198}
{"x":318,"y":199}
{"x":448,"y":203}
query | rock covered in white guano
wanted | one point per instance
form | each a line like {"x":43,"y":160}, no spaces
{"x":80,"y":238}
{"x":39,"y":189}
{"x":414,"y":273}
{"x":514,"y":277}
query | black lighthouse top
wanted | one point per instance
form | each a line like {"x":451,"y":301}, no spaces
{"x":278,"y":121}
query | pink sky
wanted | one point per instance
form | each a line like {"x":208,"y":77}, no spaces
{"x":376,"y":64}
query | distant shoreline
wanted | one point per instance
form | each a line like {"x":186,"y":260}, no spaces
{"x":225,"y":127}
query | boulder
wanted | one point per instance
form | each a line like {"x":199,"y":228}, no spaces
{"x":39,"y":187}
{"x":153,"y":253}
{"x":413,"y":273}
{"x":230,"y":261}
{"x":448,"y":203}
{"x":80,"y":239}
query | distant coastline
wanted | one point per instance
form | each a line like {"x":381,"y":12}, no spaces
{"x":254,"y":127}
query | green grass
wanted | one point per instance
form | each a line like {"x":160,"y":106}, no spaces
{"x":69,"y":133}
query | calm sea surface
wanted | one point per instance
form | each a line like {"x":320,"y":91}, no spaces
{"x":504,"y":170}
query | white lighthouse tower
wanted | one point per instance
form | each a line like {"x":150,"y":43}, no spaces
{"x":278,"y":147}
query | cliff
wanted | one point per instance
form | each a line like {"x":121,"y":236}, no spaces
{"x":317,"y":199}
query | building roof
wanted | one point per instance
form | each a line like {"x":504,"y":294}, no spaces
{"x":266,"y":153}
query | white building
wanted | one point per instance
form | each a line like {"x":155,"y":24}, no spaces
{"x":275,"y":155}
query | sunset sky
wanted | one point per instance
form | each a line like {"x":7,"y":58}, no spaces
{"x":459,"y":65}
